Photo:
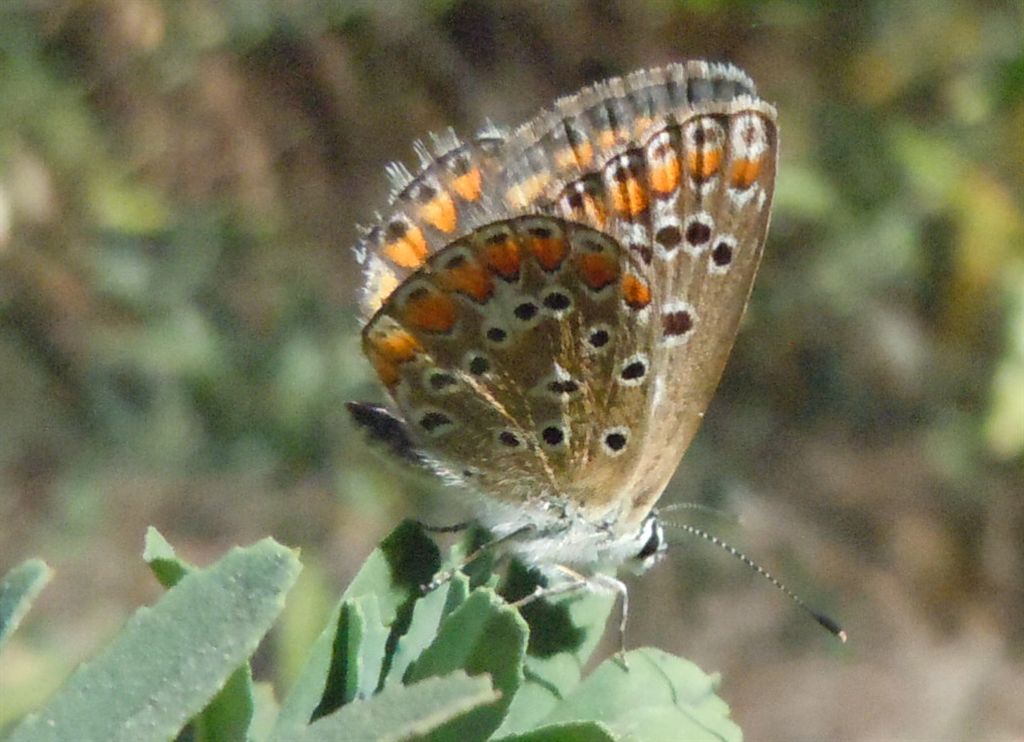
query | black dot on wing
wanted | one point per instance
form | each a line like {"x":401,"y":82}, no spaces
{"x":643,"y":250}
{"x":697,"y":233}
{"x":508,"y":438}
{"x":434,"y":420}
{"x":615,"y":440}
{"x":424,"y":193}
{"x":563,"y":386}
{"x":441,"y":381}
{"x":479,"y":365}
{"x":598,"y":338}
{"x":669,"y":236}
{"x":553,"y":435}
{"x":526,"y":311}
{"x":722,"y":254}
{"x":496,"y":335}
{"x":461,"y":165}
{"x":556,"y":301}
{"x":634,"y":370}
{"x":456,"y":261}
{"x":675,"y":323}
{"x":396,"y":230}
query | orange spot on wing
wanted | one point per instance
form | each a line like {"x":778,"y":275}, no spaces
{"x":502,"y":258}
{"x":744,"y":173}
{"x":527,"y":191}
{"x":703,"y":163}
{"x":549,"y":251}
{"x":440,"y":213}
{"x":641,"y":124}
{"x":565,"y":158}
{"x":387,"y":350}
{"x":597,"y":270}
{"x":665,"y":175}
{"x":429,"y":310}
{"x":409,"y":250}
{"x":467,"y":185}
{"x":635,"y":292}
{"x":584,"y":154}
{"x":585,"y":208}
{"x":387,"y":372}
{"x":385,"y":282}
{"x":469,"y":279}
{"x":607,"y":138}
{"x":630,"y":198}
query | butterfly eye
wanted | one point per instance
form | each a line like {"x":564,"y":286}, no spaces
{"x":655,"y":542}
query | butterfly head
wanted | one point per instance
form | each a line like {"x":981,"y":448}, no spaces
{"x":652,"y":545}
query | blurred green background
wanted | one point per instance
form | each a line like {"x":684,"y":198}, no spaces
{"x":179,"y":185}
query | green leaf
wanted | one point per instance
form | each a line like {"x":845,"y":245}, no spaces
{"x":577,"y":731}
{"x":659,"y":697}
{"x":372,"y":651}
{"x":426,"y":618}
{"x":483,"y":635}
{"x":264,"y":713}
{"x":382,"y":593}
{"x":170,"y":659}
{"x":228,"y":716}
{"x":162,"y":560}
{"x":18,"y":589}
{"x":564,"y":632}
{"x":404,"y":712}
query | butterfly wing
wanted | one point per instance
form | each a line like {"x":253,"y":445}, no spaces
{"x":563,"y":352}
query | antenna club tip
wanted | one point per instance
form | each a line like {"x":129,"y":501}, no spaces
{"x":831,"y":626}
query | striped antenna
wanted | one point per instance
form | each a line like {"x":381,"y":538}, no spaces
{"x":827,"y":623}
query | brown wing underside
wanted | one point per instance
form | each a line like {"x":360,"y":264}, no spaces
{"x":569,"y":353}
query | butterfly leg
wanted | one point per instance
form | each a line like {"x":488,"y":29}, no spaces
{"x":453,"y":528}
{"x":615,"y":585}
{"x":576,"y":582}
{"x":445,"y":575}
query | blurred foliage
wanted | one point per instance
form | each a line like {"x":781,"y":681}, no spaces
{"x":179,"y":184}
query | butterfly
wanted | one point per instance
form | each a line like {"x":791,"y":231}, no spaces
{"x":550,"y":308}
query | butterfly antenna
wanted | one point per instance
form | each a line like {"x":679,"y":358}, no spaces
{"x":827,"y":623}
{"x":717,"y":512}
